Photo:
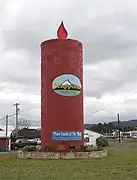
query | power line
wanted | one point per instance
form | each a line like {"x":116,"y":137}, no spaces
{"x":8,"y":116}
{"x":98,"y":110}
{"x":26,"y":119}
{"x":102,"y":109}
{"x":117,"y":102}
{"x":2,"y":119}
{"x":12,"y":115}
{"x":24,"y":109}
{"x":18,"y":111}
{"x":29,"y":108}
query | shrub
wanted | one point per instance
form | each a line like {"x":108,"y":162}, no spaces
{"x":83,"y":148}
{"x":101,"y":142}
{"x":80,"y":148}
{"x":72,"y":147}
{"x":87,"y":148}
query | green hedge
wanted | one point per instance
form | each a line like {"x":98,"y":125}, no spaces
{"x":101,"y":142}
{"x":3,"y":149}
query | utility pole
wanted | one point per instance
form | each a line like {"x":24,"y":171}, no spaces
{"x":7,"y":117}
{"x":17,"y":115}
{"x":118,"y":120}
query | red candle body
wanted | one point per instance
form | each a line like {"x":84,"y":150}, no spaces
{"x":60,"y":113}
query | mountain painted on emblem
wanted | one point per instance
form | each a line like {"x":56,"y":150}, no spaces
{"x":67,"y":85}
{"x":67,"y":82}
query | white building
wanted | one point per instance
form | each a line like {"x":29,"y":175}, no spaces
{"x":90,"y":137}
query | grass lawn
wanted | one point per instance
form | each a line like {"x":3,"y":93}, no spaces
{"x":120,"y":164}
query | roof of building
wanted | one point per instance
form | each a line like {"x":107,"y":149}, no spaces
{"x":92,"y":132}
{"x":27,"y":133}
{"x":3,"y":134}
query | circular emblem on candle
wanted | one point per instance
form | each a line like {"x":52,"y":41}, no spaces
{"x":67,"y":85}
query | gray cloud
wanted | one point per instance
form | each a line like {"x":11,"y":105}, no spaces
{"x":107,"y":35}
{"x":110,"y":76}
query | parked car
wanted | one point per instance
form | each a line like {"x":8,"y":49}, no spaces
{"x":38,"y":141}
{"x":21,"y":143}
{"x":134,"y":137}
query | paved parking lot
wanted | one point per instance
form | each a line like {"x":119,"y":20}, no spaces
{"x":11,"y":152}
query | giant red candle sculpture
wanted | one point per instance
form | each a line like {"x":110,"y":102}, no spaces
{"x":61,"y":92}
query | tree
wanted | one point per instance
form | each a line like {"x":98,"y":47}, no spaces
{"x":23,"y":123}
{"x":125,"y":129}
{"x":103,"y":128}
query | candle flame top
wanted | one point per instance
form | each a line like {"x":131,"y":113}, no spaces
{"x":61,"y":32}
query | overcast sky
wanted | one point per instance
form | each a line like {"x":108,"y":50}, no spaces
{"x":108,"y":31}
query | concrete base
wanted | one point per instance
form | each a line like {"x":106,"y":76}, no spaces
{"x":70,"y":155}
